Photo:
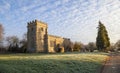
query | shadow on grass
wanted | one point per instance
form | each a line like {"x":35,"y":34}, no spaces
{"x":48,"y":66}
{"x":44,"y":54}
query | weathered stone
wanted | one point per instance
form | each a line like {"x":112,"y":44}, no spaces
{"x":39,"y":40}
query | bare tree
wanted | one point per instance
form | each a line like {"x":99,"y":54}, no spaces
{"x":23,"y":43}
{"x":117,"y":45}
{"x":91,"y":46}
{"x":12,"y":40}
{"x":68,"y":45}
{"x":1,"y":35}
{"x":2,"y":49}
{"x":13,"y":43}
{"x":112,"y":47}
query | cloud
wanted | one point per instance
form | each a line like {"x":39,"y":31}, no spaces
{"x":4,"y":7}
{"x":76,"y":19}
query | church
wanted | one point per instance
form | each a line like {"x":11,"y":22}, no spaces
{"x":40,"y":41}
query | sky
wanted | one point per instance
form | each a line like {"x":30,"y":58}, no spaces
{"x":74,"y":19}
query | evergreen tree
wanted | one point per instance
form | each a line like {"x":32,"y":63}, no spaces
{"x":102,"y":40}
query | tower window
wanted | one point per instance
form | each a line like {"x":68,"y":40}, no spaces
{"x":31,"y":29}
{"x":41,"y":29}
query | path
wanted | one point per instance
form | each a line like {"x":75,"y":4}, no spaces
{"x":112,"y":65}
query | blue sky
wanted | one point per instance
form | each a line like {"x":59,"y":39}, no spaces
{"x":75,"y":19}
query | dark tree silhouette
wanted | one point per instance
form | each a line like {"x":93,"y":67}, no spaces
{"x":102,"y":40}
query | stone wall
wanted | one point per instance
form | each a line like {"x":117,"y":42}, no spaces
{"x":53,"y":41}
{"x":39,"y":40}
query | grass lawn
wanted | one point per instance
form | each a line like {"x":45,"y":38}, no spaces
{"x":52,"y":63}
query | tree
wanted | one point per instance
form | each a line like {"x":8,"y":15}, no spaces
{"x":77,"y":46}
{"x":23,"y":44}
{"x":12,"y":40}
{"x":2,"y":49}
{"x":102,"y":40}
{"x":1,"y":35}
{"x":112,"y":47}
{"x":91,"y":46}
{"x":117,"y":45}
{"x":13,"y":43}
{"x":68,"y":45}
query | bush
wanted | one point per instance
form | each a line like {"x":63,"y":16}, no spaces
{"x":2,"y":50}
{"x":77,"y":46}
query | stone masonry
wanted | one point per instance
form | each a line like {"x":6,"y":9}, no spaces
{"x":39,"y":40}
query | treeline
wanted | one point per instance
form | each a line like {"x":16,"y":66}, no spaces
{"x":12,"y":44}
{"x":91,"y":47}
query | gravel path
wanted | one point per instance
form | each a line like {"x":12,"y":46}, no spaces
{"x":113,"y":64}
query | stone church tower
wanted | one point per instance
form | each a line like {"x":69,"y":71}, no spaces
{"x":40,"y":41}
{"x":37,"y":36}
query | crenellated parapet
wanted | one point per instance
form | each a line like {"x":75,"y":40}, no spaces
{"x":32,"y":22}
{"x":40,"y":41}
{"x":36,"y":22}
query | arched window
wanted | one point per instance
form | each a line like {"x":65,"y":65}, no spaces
{"x":42,"y":29}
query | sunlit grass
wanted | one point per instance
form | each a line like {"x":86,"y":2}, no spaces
{"x":51,"y":63}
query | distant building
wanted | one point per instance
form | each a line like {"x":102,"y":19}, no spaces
{"x":40,"y":41}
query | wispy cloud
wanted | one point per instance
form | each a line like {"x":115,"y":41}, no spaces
{"x":76,"y":19}
{"x":4,"y":7}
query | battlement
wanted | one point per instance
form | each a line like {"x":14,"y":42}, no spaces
{"x":40,"y":41}
{"x":32,"y":22}
{"x":35,"y":22}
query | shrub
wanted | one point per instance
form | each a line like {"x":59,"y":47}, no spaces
{"x":77,"y":46}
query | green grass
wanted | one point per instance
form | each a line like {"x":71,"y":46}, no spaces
{"x":52,"y":63}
